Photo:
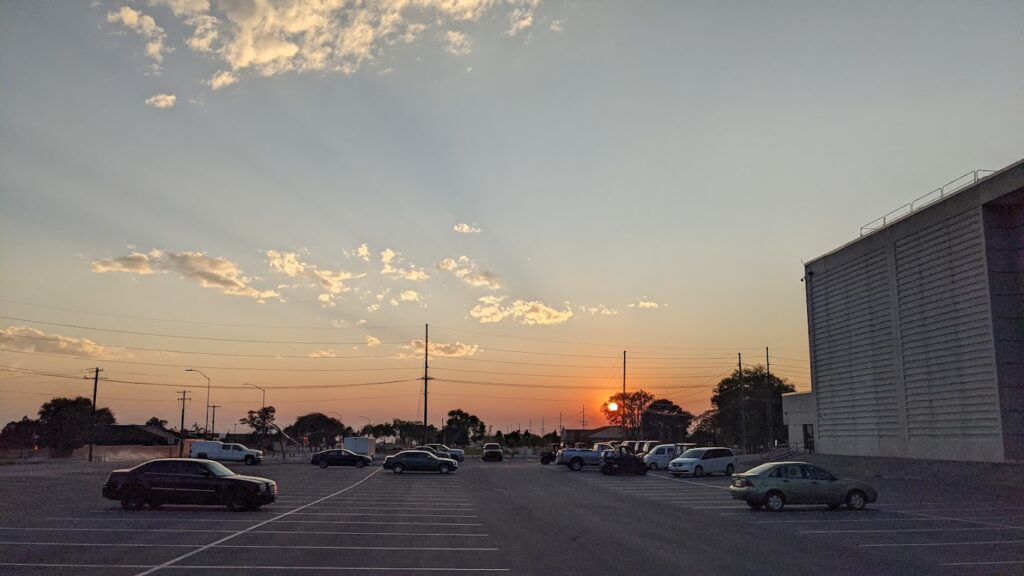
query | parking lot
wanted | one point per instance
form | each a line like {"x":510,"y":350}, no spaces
{"x":513,"y":517}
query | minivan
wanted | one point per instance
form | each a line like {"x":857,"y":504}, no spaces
{"x":701,"y":461}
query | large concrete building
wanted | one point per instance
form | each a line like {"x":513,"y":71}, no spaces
{"x":917,"y":329}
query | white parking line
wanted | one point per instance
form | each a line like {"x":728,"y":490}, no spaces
{"x":688,"y":482}
{"x":249,"y":529}
{"x":941,"y":544}
{"x":997,"y":563}
{"x":972,"y":529}
{"x":191,"y":519}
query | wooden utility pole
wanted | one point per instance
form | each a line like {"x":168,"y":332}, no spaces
{"x":622,"y":415}
{"x":213,"y":423}
{"x":181,"y":431}
{"x":743,"y":401}
{"x":426,"y":377}
{"x":770,"y":396}
{"x":92,"y":421}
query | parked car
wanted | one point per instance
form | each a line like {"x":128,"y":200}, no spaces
{"x":645,"y":446}
{"x":214,"y":450}
{"x":434,"y":451}
{"x":454,"y":453}
{"x":419,"y":461}
{"x":701,"y":461}
{"x":577,"y":458}
{"x":775,"y":484}
{"x":621,"y":461}
{"x":340,"y":457}
{"x":661,"y":455}
{"x":187,"y":481}
{"x":493,"y":452}
{"x":630,"y":445}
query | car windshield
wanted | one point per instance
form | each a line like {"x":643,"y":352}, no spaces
{"x":492,"y":447}
{"x":219,"y":469}
{"x":693,"y":453}
{"x":763,"y":468}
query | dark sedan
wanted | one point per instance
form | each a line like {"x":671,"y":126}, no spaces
{"x":340,"y":457}
{"x":187,"y":481}
{"x":419,"y":461}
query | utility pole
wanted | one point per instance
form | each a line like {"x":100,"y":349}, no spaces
{"x":426,"y":376}
{"x":743,"y":401}
{"x":213,"y":423}
{"x":541,"y":426}
{"x":181,"y":431}
{"x":770,"y":399}
{"x":622,"y":414}
{"x":92,"y":422}
{"x":584,"y":423}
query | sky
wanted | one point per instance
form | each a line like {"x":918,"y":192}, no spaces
{"x":284,"y":194}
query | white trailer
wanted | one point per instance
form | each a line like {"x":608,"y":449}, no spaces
{"x":361,"y":445}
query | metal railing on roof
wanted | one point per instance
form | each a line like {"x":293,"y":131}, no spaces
{"x":935,"y":195}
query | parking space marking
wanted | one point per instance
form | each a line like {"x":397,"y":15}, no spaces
{"x":674,"y":479}
{"x":257,"y":546}
{"x":251,"y":528}
{"x":996,"y":563}
{"x":215,"y":531}
{"x":192,"y":519}
{"x":941,"y":544}
{"x":218,"y":568}
{"x":884,"y":530}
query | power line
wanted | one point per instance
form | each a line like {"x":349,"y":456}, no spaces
{"x":163,"y":365}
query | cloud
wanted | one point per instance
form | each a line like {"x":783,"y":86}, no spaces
{"x":521,"y":17}
{"x":457,"y":43}
{"x":373,"y":308}
{"x":331,"y":282}
{"x":454,"y":350}
{"x":162,"y":101}
{"x":144,"y":25}
{"x":325,"y":353}
{"x":222,"y":79}
{"x":645,"y":304}
{"x":532,"y":313}
{"x":466,"y":270}
{"x":409,"y":296}
{"x":217,"y":273}
{"x":184,"y":7}
{"x":363,"y":252}
{"x":598,"y":310}
{"x":25,"y":339}
{"x":463,"y":228}
{"x":390,"y":261}
{"x":556,"y":26}
{"x":372,"y":342}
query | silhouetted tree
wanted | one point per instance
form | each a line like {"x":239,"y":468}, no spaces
{"x":24,"y":434}
{"x":67,"y":424}
{"x":753,"y":399}
{"x":261,"y":421}
{"x":664,"y":420}
{"x":316,"y":429}
{"x":154,"y":421}
{"x":630,"y":411}
{"x":462,"y":427}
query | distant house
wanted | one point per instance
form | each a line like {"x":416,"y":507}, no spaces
{"x":134,"y":435}
{"x":581,"y":435}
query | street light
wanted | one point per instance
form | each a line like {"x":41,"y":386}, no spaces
{"x":261,"y":390}
{"x":206,"y":424}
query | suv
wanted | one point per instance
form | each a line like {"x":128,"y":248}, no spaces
{"x":701,"y":461}
{"x":186,"y":481}
{"x":492,"y":451}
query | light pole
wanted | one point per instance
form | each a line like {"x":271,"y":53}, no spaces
{"x":261,"y":390}
{"x":206,"y":424}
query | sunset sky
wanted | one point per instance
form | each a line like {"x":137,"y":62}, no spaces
{"x":283,"y":194}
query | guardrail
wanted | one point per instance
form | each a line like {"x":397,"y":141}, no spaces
{"x":935,"y":195}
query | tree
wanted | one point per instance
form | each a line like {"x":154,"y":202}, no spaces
{"x":750,"y":400}
{"x":463,"y":427}
{"x":154,"y":421}
{"x":629,"y":412}
{"x":664,"y":420}
{"x":261,"y":421}
{"x":409,"y":430}
{"x":316,"y":429}
{"x":67,"y":424}
{"x":21,"y":434}
{"x":705,"y":428}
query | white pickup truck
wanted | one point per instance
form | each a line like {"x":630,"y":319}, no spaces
{"x":213,"y":450}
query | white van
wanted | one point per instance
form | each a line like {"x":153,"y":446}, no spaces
{"x":701,"y":461}
{"x":213,"y":450}
{"x":661,"y":455}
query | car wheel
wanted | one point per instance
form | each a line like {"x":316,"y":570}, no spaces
{"x":729,"y":470}
{"x":698,"y":471}
{"x":133,"y":499}
{"x":443,"y":468}
{"x":606,"y":469}
{"x":653,"y":466}
{"x":754,"y":505}
{"x":360,"y":463}
{"x":397,"y":468}
{"x":774,"y":501}
{"x":250,"y":460}
{"x":576,"y":464}
{"x":237,"y":500}
{"x":833,"y":506}
{"x":323,"y":464}
{"x":856,"y":500}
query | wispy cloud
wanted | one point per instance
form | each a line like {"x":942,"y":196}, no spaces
{"x":372,"y":341}
{"x":25,"y":339}
{"x":391,"y":266}
{"x":222,"y":79}
{"x":325,"y":353}
{"x":556,"y":26}
{"x":646,"y":304}
{"x":450,"y":350}
{"x":596,"y":310}
{"x":457,"y":43}
{"x":463,"y":228}
{"x":466,"y":270}
{"x":331,"y":282}
{"x":361,"y":252}
{"x":144,"y":25}
{"x":162,"y":101}
{"x":491,"y":309}
{"x":209,"y":272}
{"x":521,"y":17}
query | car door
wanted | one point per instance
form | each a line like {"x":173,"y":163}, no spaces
{"x":160,"y":480}
{"x":197,"y":484}
{"x":707,"y":461}
{"x":823,"y":488}
{"x":796,"y":487}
